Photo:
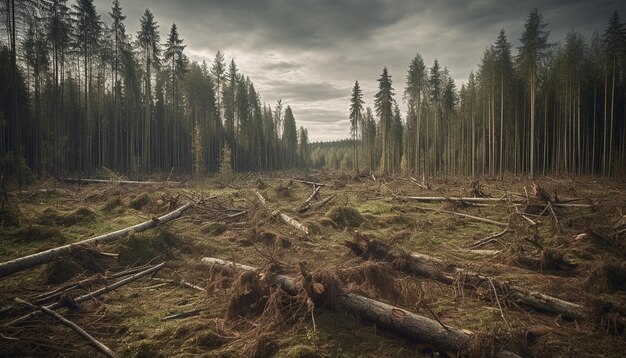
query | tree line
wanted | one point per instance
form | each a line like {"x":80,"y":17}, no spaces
{"x":78,"y":92}
{"x":551,"y":108}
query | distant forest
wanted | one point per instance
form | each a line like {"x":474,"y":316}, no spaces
{"x":78,"y":93}
{"x":551,"y":108}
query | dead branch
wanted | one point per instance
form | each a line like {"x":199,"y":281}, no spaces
{"x":477,"y":218}
{"x":64,"y":321}
{"x":184,"y":314}
{"x":316,"y":190}
{"x":29,"y":261}
{"x":316,"y":205}
{"x":488,"y":239}
{"x":80,"y":299}
{"x":182,"y":283}
{"x":309,"y":182}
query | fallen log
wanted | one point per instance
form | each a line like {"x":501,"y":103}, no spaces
{"x":477,"y":218}
{"x":26,"y":262}
{"x":291,"y":221}
{"x":86,"y":297}
{"x":128,"y":182}
{"x":434,"y":268}
{"x":64,"y":321}
{"x":316,"y":205}
{"x":504,"y":199}
{"x":400,"y":321}
{"x":284,"y":217}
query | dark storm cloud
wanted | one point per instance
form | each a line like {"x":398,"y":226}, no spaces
{"x":309,"y":53}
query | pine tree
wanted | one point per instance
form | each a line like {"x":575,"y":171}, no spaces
{"x":614,"y":41}
{"x":505,"y":69}
{"x":148,"y":39}
{"x":356,"y":118}
{"x":534,"y":44}
{"x":290,"y":138}
{"x":416,"y":84}
{"x":218,"y":73}
{"x":87,"y":39}
{"x":120,"y":41}
{"x":383,"y":103}
{"x":177,"y":64}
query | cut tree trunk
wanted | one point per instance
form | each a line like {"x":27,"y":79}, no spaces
{"x":400,"y":321}
{"x":434,"y":268}
{"x":26,"y":262}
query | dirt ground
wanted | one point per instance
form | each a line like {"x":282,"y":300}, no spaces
{"x":576,"y":254}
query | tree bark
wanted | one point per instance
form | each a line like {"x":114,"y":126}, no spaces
{"x":439,"y":270}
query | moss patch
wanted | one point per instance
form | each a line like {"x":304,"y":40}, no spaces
{"x":39,"y":233}
{"x":52,"y":217}
{"x":345,"y":216}
{"x":145,"y":248}
{"x":140,"y":201}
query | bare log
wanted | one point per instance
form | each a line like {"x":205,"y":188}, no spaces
{"x":262,"y":199}
{"x":434,"y":268}
{"x":26,"y":262}
{"x":405,"y":323}
{"x":127,"y":182}
{"x":477,"y":218}
{"x":291,"y":221}
{"x":91,"y":295}
{"x":64,"y":321}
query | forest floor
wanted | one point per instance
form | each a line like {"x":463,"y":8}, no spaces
{"x":579,"y":258}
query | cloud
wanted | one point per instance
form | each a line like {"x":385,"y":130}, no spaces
{"x":310,"y":52}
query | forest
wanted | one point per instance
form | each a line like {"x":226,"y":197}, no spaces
{"x":152,"y":204}
{"x":79,"y":93}
{"x":551,"y":108}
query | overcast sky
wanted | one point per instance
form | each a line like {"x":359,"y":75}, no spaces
{"x":309,"y":53}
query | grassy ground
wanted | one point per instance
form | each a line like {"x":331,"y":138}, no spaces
{"x":128,"y":320}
